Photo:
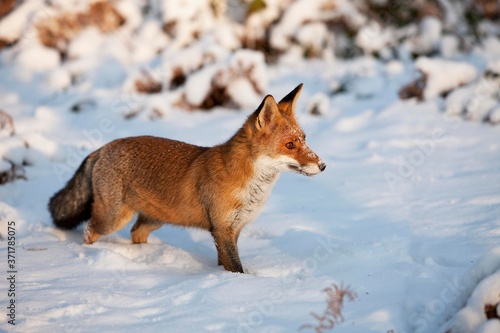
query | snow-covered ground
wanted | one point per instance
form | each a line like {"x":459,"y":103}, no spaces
{"x":407,"y":212}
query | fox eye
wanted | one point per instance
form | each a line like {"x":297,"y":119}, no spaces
{"x":290,"y":145}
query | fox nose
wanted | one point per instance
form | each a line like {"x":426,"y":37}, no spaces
{"x":322,"y":166}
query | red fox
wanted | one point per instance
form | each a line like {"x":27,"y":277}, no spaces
{"x":220,"y":188}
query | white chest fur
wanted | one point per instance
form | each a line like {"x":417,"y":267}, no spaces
{"x":254,"y":195}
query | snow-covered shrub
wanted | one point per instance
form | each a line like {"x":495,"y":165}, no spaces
{"x":478,"y":101}
{"x":427,"y":40}
{"x":321,"y":28}
{"x":177,"y":65}
{"x":185,"y":21}
{"x":283,"y":25}
{"x":259,"y":20}
{"x":392,"y":24}
{"x":319,"y":104}
{"x":481,"y":314}
{"x":303,"y":23}
{"x":438,"y":78}
{"x":245,"y":77}
{"x":58,"y":30}
{"x":494,"y":115}
{"x":414,"y":89}
{"x":18,"y":151}
{"x":148,"y":84}
{"x":317,"y":28}
{"x":15,"y":23}
{"x":465,"y":96}
{"x":486,"y":8}
{"x":56,"y":23}
{"x":479,"y":109}
{"x":149,"y":42}
{"x":186,"y":47}
{"x":443,"y":75}
{"x":373,"y":38}
{"x":12,"y":151}
{"x":10,"y":171}
{"x":238,"y":80}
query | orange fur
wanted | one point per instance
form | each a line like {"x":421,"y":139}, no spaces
{"x":220,"y":188}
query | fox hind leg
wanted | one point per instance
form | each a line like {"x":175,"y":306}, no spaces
{"x":143,"y":227}
{"x":90,"y":236}
{"x":106,"y":220}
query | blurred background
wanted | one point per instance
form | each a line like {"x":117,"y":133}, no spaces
{"x":217,"y":52}
{"x":401,"y":99}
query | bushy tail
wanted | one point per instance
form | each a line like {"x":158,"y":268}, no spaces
{"x":72,"y":205}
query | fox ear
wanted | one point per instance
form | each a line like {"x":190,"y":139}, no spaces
{"x":287,"y":104}
{"x":266,"y":112}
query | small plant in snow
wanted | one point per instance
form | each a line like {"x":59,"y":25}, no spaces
{"x":332,"y":315}
{"x":491,"y":311}
{"x":10,"y":173}
{"x":6,"y":124}
{"x":148,"y":84}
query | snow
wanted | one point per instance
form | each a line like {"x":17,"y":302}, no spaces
{"x":491,"y":47}
{"x":319,"y":104}
{"x":37,"y":58}
{"x":4,"y":165}
{"x":449,"y":46}
{"x":444,"y":75}
{"x":297,"y":13}
{"x":131,"y":11}
{"x":494,"y":115}
{"x":12,"y":27}
{"x":13,"y":150}
{"x":354,"y":123}
{"x":394,"y":67}
{"x":430,"y":35}
{"x":254,"y":26}
{"x":491,"y":326}
{"x":314,"y":35}
{"x":59,"y":79}
{"x":227,"y":35}
{"x":150,"y":41}
{"x":494,"y":66}
{"x":301,"y":23}
{"x":187,"y":19}
{"x":251,"y":65}
{"x":87,"y":44}
{"x":477,"y":101}
{"x":398,"y":249}
{"x":373,"y":38}
{"x":242,"y":93}
{"x":472,"y":317}
{"x":406,"y":212}
{"x":199,"y":84}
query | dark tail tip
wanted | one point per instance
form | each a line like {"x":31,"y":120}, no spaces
{"x":66,"y":219}
{"x":72,"y":205}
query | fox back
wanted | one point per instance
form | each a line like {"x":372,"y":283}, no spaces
{"x":220,"y":188}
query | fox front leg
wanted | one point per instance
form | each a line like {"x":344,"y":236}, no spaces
{"x":227,"y":250}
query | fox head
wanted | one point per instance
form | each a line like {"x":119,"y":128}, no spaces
{"x":278,"y":139}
